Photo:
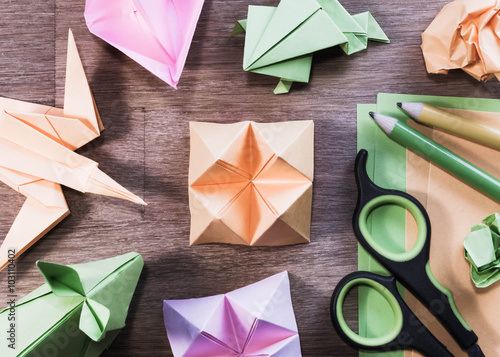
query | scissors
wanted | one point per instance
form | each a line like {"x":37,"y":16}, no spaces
{"x":411,"y":269}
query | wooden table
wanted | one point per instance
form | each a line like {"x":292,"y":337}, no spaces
{"x":145,"y":147}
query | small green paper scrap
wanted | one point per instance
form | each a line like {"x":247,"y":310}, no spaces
{"x":78,"y":312}
{"x":280,"y":41}
{"x":482,"y":250}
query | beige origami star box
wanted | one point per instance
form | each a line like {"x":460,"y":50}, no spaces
{"x":251,"y":183}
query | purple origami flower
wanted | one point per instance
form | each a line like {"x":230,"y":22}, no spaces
{"x":254,"y":321}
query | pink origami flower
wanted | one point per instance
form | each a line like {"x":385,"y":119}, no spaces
{"x":254,"y":321}
{"x":156,"y":34}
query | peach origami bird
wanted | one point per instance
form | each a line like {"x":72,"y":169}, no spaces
{"x":36,"y":157}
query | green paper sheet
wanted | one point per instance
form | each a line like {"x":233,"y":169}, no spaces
{"x":387,"y":167}
{"x":384,"y":159}
{"x":78,"y":312}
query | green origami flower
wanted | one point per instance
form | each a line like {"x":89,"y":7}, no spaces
{"x":482,"y":250}
{"x":77,"y":313}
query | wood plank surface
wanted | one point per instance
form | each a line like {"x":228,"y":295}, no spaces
{"x":145,"y":147}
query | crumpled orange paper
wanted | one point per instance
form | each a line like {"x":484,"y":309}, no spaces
{"x":465,"y":34}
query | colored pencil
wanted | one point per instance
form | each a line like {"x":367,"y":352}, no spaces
{"x":470,"y":129}
{"x":410,"y":138}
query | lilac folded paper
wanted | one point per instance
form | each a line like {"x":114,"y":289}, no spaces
{"x":256,"y":320}
{"x":156,"y":34}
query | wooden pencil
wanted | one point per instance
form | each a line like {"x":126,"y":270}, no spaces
{"x":452,"y":123}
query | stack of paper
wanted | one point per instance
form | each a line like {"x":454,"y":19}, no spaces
{"x":453,"y":208}
{"x":280,"y":41}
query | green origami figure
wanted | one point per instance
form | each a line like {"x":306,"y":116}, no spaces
{"x":280,"y":41}
{"x":482,"y":250}
{"x":77,"y":313}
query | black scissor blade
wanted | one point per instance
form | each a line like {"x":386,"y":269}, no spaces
{"x":475,"y":351}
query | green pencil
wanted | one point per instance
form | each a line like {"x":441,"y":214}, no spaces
{"x":438,"y":154}
{"x":470,"y":129}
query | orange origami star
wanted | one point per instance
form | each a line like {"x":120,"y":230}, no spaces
{"x":251,"y":183}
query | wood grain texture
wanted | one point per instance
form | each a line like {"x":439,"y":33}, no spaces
{"x":145,"y":147}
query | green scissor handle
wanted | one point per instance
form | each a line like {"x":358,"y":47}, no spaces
{"x":411,"y":268}
{"x":407,"y":331}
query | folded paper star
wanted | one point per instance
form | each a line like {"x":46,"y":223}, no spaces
{"x":465,"y":34}
{"x":78,"y":312}
{"x":254,"y":321}
{"x":280,"y":41}
{"x":36,"y":157}
{"x":251,"y":183}
{"x":156,"y":34}
{"x":482,"y":250}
